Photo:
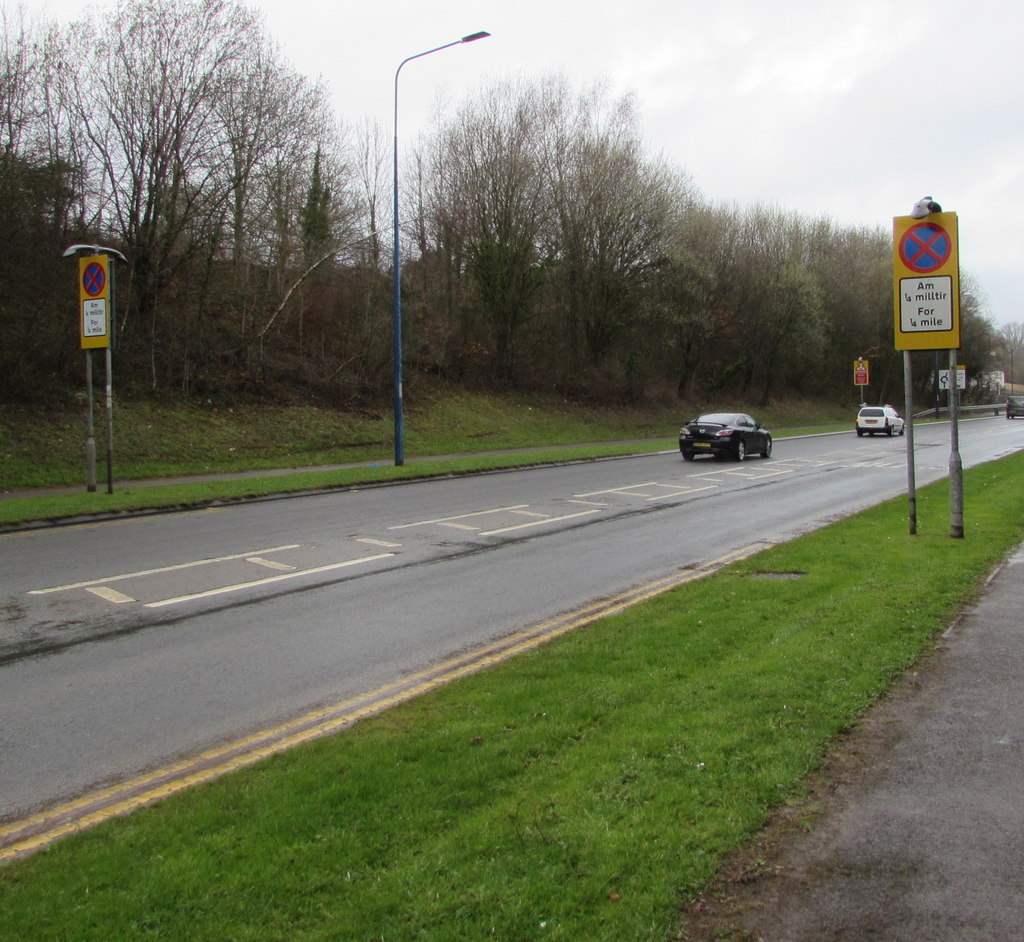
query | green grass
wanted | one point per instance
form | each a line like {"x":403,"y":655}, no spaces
{"x":153,"y":440}
{"x":158,"y":439}
{"x":580,"y":792}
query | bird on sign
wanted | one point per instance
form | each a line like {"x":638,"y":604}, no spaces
{"x":925,"y":206}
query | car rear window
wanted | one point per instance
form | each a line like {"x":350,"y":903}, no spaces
{"x":872,"y":412}
{"x":717,"y":418}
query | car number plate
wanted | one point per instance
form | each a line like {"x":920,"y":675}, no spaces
{"x":701,"y":444}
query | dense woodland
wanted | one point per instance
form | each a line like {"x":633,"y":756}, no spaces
{"x":544,"y":246}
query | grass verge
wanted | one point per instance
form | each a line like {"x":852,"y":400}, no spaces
{"x":581,"y":792}
{"x":151,"y":496}
{"x":40,"y":449}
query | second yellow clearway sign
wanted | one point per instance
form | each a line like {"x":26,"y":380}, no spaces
{"x":926,"y":282}
{"x":94,"y":296}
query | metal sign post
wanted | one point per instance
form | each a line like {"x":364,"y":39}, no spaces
{"x":908,"y":411}
{"x":96,"y":298}
{"x":861,"y":376}
{"x":926,"y":306}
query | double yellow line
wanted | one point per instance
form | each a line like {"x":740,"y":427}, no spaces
{"x":32,"y":833}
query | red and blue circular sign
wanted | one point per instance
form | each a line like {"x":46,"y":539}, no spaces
{"x":94,"y":279}
{"x":925,"y":247}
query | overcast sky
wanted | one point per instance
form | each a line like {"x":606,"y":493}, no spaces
{"x":852,"y":110}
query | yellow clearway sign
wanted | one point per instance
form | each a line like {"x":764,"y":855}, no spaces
{"x":94,"y":295}
{"x":926,"y":282}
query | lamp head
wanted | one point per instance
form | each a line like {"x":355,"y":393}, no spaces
{"x":925,"y":207}
{"x":93,"y":250}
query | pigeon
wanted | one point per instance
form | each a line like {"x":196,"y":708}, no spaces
{"x":924,"y":206}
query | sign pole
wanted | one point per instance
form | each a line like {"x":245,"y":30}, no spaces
{"x":90,"y":440}
{"x":956,"y":467}
{"x":926,"y":309}
{"x":109,"y":397}
{"x":96,"y":323}
{"x":908,"y":411}
{"x":109,"y":402}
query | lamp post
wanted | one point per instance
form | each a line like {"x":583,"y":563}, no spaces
{"x":396,"y":264}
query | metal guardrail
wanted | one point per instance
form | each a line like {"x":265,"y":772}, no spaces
{"x":996,"y":408}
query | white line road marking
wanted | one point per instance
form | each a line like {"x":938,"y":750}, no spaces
{"x":680,"y":491}
{"x":153,"y":572}
{"x":269,"y":563}
{"x":383,"y":543}
{"x":257,"y":583}
{"x":110,"y":595}
{"x":536,"y":523}
{"x":617,"y":490}
{"x":449,"y":521}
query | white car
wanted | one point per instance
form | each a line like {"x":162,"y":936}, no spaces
{"x":882,"y":419}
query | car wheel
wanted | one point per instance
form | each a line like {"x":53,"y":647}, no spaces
{"x":687,"y":456}
{"x":888,"y":430}
{"x":903,"y":430}
{"x":741,"y":450}
{"x":860,"y":433}
{"x":766,"y":451}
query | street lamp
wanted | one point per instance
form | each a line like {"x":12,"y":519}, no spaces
{"x":396,"y":263}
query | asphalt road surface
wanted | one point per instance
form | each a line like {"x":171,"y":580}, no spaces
{"x":128,"y":644}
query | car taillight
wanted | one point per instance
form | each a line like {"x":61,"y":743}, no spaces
{"x":724,"y":431}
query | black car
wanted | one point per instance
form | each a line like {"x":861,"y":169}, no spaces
{"x":1014,"y":406}
{"x":733,"y":434}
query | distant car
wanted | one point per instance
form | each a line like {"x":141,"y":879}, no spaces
{"x":724,"y":434}
{"x":881,"y":419}
{"x":1014,"y":406}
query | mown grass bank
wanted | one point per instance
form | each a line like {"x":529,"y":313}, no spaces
{"x":581,"y":792}
{"x":46,"y":449}
{"x":174,"y":437}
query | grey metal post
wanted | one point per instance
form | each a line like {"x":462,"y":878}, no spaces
{"x":908,"y":413}
{"x":956,"y":467}
{"x":90,"y":439}
{"x":109,"y":397}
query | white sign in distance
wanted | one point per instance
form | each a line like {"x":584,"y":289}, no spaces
{"x":945,"y":380}
{"x":926,"y":303}
{"x":94,"y":318}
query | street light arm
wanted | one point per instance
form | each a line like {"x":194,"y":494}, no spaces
{"x":472,"y":37}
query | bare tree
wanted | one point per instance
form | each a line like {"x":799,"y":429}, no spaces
{"x":1012,"y":343}
{"x":371,"y":180}
{"x":148,"y":102}
{"x":37,"y":200}
{"x":489,"y":181}
{"x":613,"y":208}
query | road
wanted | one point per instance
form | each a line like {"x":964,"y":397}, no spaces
{"x":129,"y":644}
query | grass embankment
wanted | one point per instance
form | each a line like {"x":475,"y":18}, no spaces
{"x":46,"y":448}
{"x":581,"y":792}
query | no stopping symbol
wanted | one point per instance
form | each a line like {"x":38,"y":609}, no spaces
{"x":94,"y":279}
{"x":925,"y":247}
